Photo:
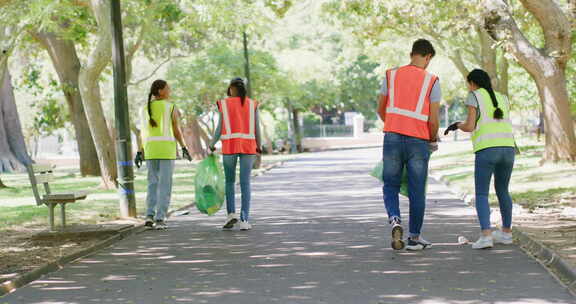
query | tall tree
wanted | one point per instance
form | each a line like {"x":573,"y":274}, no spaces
{"x":89,"y":83}
{"x":67,"y":65}
{"x":546,"y":65}
{"x":13,"y":153}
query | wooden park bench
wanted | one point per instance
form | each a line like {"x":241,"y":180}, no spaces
{"x":42,"y":174}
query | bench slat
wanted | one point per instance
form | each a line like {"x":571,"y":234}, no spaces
{"x":44,"y":178}
{"x":65,"y":197}
{"x":39,"y":168}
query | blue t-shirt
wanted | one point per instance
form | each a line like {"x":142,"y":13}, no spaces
{"x":435,"y":94}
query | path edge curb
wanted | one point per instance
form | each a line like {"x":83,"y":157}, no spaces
{"x":28,"y":277}
{"x":23,"y":279}
{"x":556,"y":265}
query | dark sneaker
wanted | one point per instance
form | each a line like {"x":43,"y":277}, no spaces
{"x":160,"y":225}
{"x":149,"y":222}
{"x":397,"y":234}
{"x":415,"y":245}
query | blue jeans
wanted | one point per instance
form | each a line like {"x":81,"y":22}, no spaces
{"x":497,"y":161}
{"x":159,"y":187}
{"x":246,"y":163}
{"x":402,"y":151}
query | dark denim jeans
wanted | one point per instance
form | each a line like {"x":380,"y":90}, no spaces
{"x":497,"y":161}
{"x":401,"y":152}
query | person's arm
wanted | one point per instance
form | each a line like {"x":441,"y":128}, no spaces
{"x":383,"y":100}
{"x":470,"y":123}
{"x":382,"y":103}
{"x":434,"y":118}
{"x":218,"y":132}
{"x":258,"y":131}
{"x":176,"y":127}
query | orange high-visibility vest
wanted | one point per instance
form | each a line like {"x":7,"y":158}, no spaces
{"x":238,"y":131}
{"x":408,"y":105}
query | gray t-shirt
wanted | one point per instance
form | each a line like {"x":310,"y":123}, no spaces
{"x":435,"y":94}
{"x":472,"y":101}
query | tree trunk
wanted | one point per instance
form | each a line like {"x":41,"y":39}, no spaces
{"x":560,"y":145}
{"x":13,"y":153}
{"x":504,"y":81}
{"x":269,"y":146}
{"x":193,"y":138}
{"x":90,"y":91}
{"x":546,"y":66}
{"x":297,"y":129}
{"x":67,"y":65}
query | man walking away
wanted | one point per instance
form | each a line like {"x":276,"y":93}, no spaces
{"x":409,"y":106}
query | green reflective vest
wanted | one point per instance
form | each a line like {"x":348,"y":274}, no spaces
{"x":159,"y":141}
{"x":492,"y":132}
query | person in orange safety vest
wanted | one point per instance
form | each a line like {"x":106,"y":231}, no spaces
{"x":409,"y":107}
{"x":239,"y":130}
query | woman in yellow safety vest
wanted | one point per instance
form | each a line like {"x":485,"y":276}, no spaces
{"x":493,"y":141}
{"x":160,"y":131}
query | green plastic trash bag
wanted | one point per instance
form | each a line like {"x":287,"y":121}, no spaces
{"x":377,"y":173}
{"x":209,"y":185}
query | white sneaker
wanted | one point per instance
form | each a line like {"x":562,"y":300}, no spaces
{"x":501,"y":237}
{"x":230,"y":221}
{"x":484,"y":242}
{"x":244,"y":225}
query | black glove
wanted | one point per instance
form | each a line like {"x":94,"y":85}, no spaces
{"x":139,"y":159}
{"x":452,"y":127}
{"x":212,"y":149}
{"x":185,"y":154}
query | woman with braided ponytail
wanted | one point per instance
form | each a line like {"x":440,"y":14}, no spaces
{"x":160,"y":132}
{"x":493,"y":142}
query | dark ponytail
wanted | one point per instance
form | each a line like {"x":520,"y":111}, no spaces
{"x":482,"y":80}
{"x":238,"y":83}
{"x":157,"y":85}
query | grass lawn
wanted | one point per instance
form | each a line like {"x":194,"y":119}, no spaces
{"x":532,"y":185}
{"x":18,"y":207}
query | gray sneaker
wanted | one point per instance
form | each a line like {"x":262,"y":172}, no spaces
{"x":160,"y":225}
{"x":149,"y":222}
{"x":419,"y":244}
{"x":397,"y":234}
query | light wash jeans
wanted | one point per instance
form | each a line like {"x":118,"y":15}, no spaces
{"x":413,"y":153}
{"x":497,"y":161}
{"x":246,"y":163}
{"x":159,"y":187}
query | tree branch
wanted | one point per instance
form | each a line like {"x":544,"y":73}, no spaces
{"x":155,"y":70}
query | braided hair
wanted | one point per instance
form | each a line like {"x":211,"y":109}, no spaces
{"x":238,"y":83}
{"x":482,"y":80}
{"x":157,"y":85}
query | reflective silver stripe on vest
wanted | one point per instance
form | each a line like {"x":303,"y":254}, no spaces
{"x":226,"y":118}
{"x":493,"y":136}
{"x":391,"y":89}
{"x":167,"y":120}
{"x":227,"y":125}
{"x":484,"y":117}
{"x":417,"y":114}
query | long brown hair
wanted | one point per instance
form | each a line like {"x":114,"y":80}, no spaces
{"x":157,"y":85}
{"x":238,"y":83}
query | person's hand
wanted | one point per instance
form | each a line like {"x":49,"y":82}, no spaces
{"x":185,"y":154}
{"x":258,"y":150}
{"x":452,"y":127}
{"x":433,"y":146}
{"x":139,"y":159}
{"x":212,"y":149}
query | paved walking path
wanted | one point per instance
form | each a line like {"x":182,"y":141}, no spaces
{"x":320,"y":236}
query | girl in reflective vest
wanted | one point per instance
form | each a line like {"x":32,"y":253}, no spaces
{"x":493,"y":142}
{"x":239,"y":130}
{"x":160,"y":130}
